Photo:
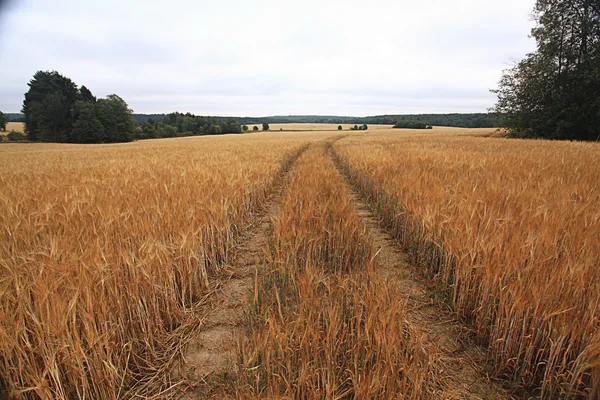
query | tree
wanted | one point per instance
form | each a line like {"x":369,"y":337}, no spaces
{"x":555,"y":92}
{"x":265,"y":126}
{"x":339,"y":127}
{"x":148,"y":131}
{"x":14,"y":136}
{"x":3,"y":122}
{"x":245,"y":128}
{"x":115,"y":116}
{"x":255,"y":128}
{"x":56,"y":111}
{"x":48,"y":107}
{"x":214,"y":129}
{"x":168,"y":131}
{"x":86,"y":95}
{"x":410,"y":124}
{"x":233,"y":127}
{"x":87,"y":128}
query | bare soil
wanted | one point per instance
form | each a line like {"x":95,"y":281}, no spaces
{"x":212,"y":350}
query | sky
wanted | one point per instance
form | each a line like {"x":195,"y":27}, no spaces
{"x":272,"y":57}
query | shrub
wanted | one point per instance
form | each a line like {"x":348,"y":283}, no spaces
{"x":14,"y":136}
{"x":410,"y":124}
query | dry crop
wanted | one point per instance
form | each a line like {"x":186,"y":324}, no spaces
{"x":106,"y":254}
{"x":14,"y":126}
{"x":322,"y":323}
{"x":511,"y":232}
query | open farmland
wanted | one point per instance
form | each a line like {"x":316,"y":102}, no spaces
{"x":511,"y":230}
{"x":316,"y":127}
{"x":14,"y":126}
{"x":106,"y":251}
{"x":380,"y":264}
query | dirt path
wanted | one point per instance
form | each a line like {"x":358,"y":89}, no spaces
{"x":213,"y":348}
{"x":462,"y":361}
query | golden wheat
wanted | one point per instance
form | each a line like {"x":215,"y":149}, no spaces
{"x":105,"y":251}
{"x":323,"y":324}
{"x":108,"y":253}
{"x":512,"y":229}
{"x":14,"y":126}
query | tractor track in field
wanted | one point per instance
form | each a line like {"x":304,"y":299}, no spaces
{"x":213,"y":347}
{"x":461,"y":360}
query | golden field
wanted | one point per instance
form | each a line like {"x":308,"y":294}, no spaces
{"x":14,"y":126}
{"x":316,"y":127}
{"x":308,"y":338}
{"x":110,"y":253}
{"x":510,"y":229}
{"x":106,"y":250}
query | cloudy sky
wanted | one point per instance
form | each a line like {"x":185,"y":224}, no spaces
{"x":272,"y":57}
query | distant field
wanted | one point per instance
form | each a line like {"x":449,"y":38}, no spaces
{"x":20,"y":127}
{"x":14,"y":126}
{"x":380,"y":128}
{"x":316,"y":127}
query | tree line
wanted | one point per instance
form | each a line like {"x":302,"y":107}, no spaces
{"x":476,"y":120}
{"x":554,"y":92}
{"x":55,"y":109}
{"x":178,"y":124}
{"x":411,"y":124}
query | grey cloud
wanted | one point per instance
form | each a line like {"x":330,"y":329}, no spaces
{"x":269,"y":57}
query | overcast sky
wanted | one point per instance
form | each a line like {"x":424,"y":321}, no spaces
{"x":274,"y":57}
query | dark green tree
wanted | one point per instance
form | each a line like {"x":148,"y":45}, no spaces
{"x":255,"y":128}
{"x":265,"y":126}
{"x":115,"y":116}
{"x":555,"y":92}
{"x":48,"y":107}
{"x":245,"y":128}
{"x":167,"y":131}
{"x":148,"y":131}
{"x":87,"y":128}
{"x":232,"y":127}
{"x":410,"y":124}
{"x":3,"y":122}
{"x":339,"y":127}
{"x":14,"y":136}
{"x":86,"y":95}
{"x":188,"y":124}
{"x":214,"y":130}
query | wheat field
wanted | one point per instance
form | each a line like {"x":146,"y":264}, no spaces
{"x":14,"y":126}
{"x":112,"y":254}
{"x":511,"y":230}
{"x":106,"y":250}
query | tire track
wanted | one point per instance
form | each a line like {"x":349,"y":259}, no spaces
{"x":213,"y":348}
{"x":462,"y":361}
